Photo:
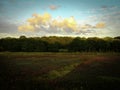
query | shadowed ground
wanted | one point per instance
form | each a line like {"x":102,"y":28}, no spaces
{"x":59,"y":71}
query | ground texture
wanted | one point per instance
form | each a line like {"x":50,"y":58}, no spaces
{"x":59,"y":71}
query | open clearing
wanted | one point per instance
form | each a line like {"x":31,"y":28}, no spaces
{"x":59,"y":71}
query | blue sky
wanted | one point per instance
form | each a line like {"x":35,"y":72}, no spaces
{"x":88,"y":18}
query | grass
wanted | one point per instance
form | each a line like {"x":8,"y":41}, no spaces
{"x":59,"y":71}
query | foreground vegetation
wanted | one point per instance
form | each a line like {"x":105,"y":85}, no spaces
{"x":59,"y":71}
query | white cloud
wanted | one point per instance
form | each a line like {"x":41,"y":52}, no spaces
{"x":59,"y":25}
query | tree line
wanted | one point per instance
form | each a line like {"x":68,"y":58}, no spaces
{"x":60,"y":44}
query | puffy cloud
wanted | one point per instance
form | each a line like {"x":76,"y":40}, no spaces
{"x":26,"y":28}
{"x":70,"y":23}
{"x":66,"y":23}
{"x":59,"y":25}
{"x":39,"y":19}
{"x":35,"y":22}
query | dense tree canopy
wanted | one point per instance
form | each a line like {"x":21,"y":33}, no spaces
{"x":60,"y":44}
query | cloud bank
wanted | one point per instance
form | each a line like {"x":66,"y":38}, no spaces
{"x":46,"y":23}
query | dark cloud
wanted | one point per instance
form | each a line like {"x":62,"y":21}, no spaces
{"x":7,"y":27}
{"x":105,"y":7}
{"x":54,"y":7}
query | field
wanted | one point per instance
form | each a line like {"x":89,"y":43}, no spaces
{"x":59,"y":71}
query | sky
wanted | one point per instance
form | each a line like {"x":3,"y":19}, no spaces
{"x":36,"y":18}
